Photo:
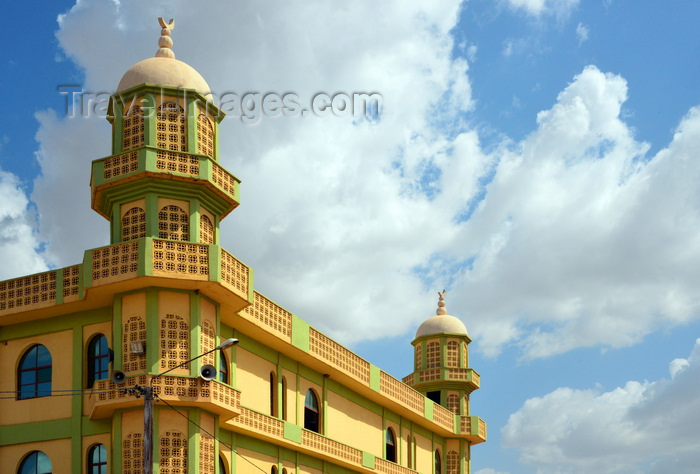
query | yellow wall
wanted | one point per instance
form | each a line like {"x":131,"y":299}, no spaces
{"x":60,"y":345}
{"x":354,"y":425}
{"x":253,"y":379}
{"x":58,"y":452}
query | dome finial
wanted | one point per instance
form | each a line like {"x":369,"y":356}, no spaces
{"x":165,"y":42}
{"x":441,"y":304}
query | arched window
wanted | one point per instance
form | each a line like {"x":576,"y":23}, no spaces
{"x":132,"y":128}
{"x":35,"y":463}
{"x":205,"y":136}
{"x":284,"y":398}
{"x":133,"y":224}
{"x":452,"y":463}
{"x":206,"y":230}
{"x":433,"y":354}
{"x":312,"y":415}
{"x":390,"y":445}
{"x":34,"y":373}
{"x":223,"y":368}
{"x":173,"y":223}
{"x":453,"y":403}
{"x":419,"y":357}
{"x":222,"y":465}
{"x":97,"y":360}
{"x":438,"y":462}
{"x":273,"y":470}
{"x":170,"y":127}
{"x":97,"y":460}
{"x":273,"y":394}
{"x":453,"y":354}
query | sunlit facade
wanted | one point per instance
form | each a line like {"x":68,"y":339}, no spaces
{"x":77,"y":343}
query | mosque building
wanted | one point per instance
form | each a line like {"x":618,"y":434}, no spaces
{"x":156,"y":354}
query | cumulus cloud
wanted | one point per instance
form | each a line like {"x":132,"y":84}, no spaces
{"x":572,"y":237}
{"x":537,"y":8}
{"x":19,"y":245}
{"x":642,"y":426}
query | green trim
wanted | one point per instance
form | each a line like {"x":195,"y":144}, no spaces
{"x":152,"y":331}
{"x":300,"y":333}
{"x":257,"y":445}
{"x":368,"y":460}
{"x":191,"y":125}
{"x":196,"y":335}
{"x":79,"y":356}
{"x":292,"y":432}
{"x":59,"y":286}
{"x":375,"y":377}
{"x":151,"y":213}
{"x":116,"y":448}
{"x":193,"y":440}
{"x":65,"y":322}
{"x":259,"y":349}
{"x":148,"y":105}
{"x":94,"y":427}
{"x":352,"y":396}
{"x":145,"y":263}
{"x":116,"y":111}
{"x":215,"y":263}
{"x":87,"y":270}
{"x":195,"y":220}
{"x":429,"y":408}
{"x":311,"y":375}
{"x":115,"y":223}
{"x":36,"y":431}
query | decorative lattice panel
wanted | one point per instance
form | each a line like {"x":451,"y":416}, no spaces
{"x":453,"y":354}
{"x":170,"y":127}
{"x":207,"y":454}
{"x":180,"y":259}
{"x":270,"y":315}
{"x":333,"y":353}
{"x":132,"y":453}
{"x":432,"y":353}
{"x":223,"y":179}
{"x":134,"y":224}
{"x":174,"y":341}
{"x":419,"y":356}
{"x":173,"y":453}
{"x":207,"y":339}
{"x":261,"y":423}
{"x":452,"y":463}
{"x":173,"y":223}
{"x":453,"y":403}
{"x":234,"y":273}
{"x":206,"y":230}
{"x":35,"y":290}
{"x":121,"y":260}
{"x":388,"y":467}
{"x":335,"y":449}
{"x":132,"y":134}
{"x":401,"y":392}
{"x":71,"y":281}
{"x":444,"y":417}
{"x":121,"y":164}
{"x":205,"y":136}
{"x":428,"y":375}
{"x":177,"y":162}
{"x":134,"y":331}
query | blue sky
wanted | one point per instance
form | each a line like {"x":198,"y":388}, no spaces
{"x":537,"y":158}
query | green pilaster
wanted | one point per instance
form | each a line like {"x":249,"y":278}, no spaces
{"x":195,"y":334}
{"x":193,"y":444}
{"x":375,"y":375}
{"x":116,"y":452}
{"x":115,"y":223}
{"x":87,"y":270}
{"x":191,"y":126}
{"x":59,"y":286}
{"x":300,"y":333}
{"x":152,"y":214}
{"x":152,"y":332}
{"x":77,"y":401}
{"x":145,"y":257}
{"x":195,"y":217}
{"x":367,"y":460}
{"x":117,"y":126}
{"x":117,"y":328}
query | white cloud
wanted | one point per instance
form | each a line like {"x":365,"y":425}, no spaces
{"x":19,"y":247}
{"x":641,"y":427}
{"x":537,"y":8}
{"x":582,"y":33}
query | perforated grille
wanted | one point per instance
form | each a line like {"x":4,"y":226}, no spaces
{"x":205,"y":136}
{"x":387,"y":467}
{"x":328,"y":446}
{"x":177,"y":162}
{"x":261,"y":423}
{"x":208,"y":336}
{"x":28,"y":291}
{"x":234,"y":273}
{"x":134,"y":330}
{"x":444,"y":417}
{"x":133,"y":129}
{"x":452,"y":463}
{"x":132,"y":454}
{"x":272,"y":316}
{"x":207,"y":455}
{"x":206,"y":230}
{"x":419,"y":356}
{"x":173,"y":223}
{"x":428,"y":375}
{"x":433,"y":354}
{"x":173,"y":453}
{"x":335,"y":354}
{"x":170,"y":127}
{"x":453,"y":403}
{"x":223,"y":179}
{"x":71,"y":281}
{"x":120,"y":165}
{"x":174,"y":341}
{"x":453,"y":354}
{"x":134,"y":224}
{"x":115,"y":261}
{"x":180,"y":259}
{"x":401,"y":392}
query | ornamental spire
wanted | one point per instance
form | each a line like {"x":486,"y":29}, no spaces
{"x":165,"y":42}
{"x":441,"y":304}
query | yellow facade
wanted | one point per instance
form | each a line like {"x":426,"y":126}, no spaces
{"x":285,"y":398}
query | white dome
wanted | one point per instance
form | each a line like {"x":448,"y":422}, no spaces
{"x":441,"y":324}
{"x":166,"y":72}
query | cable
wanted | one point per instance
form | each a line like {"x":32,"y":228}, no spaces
{"x":211,"y":435}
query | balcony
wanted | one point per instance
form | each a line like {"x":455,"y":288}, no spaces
{"x":473,"y":428}
{"x":429,"y":376}
{"x":212,"y":396}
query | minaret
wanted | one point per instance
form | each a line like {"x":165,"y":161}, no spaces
{"x":441,"y":369}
